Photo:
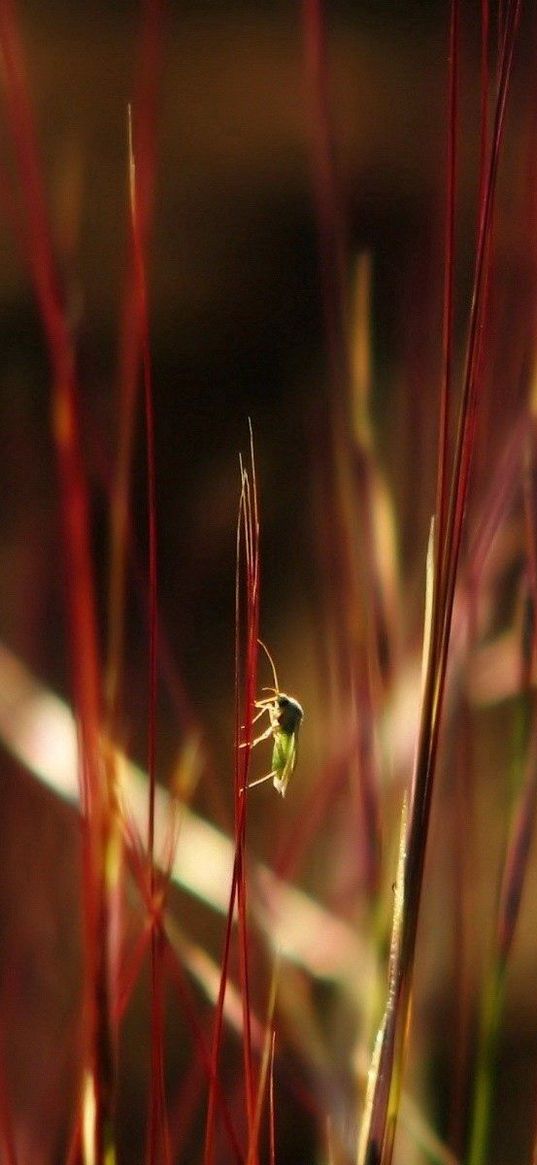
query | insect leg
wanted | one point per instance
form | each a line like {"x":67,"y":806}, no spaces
{"x":260,"y":713}
{"x":257,"y":716}
{"x":264,"y":736}
{"x":260,"y":780}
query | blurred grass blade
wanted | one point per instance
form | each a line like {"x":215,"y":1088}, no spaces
{"x":510,"y":895}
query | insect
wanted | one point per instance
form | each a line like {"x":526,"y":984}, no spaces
{"x":285,"y":715}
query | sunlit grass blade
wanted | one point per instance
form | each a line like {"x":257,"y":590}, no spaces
{"x":380,"y":1109}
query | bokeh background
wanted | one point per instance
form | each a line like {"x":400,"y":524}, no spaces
{"x":237,"y":332}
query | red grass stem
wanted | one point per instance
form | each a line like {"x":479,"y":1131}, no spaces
{"x":157,"y":1142}
{"x":96,"y":1063}
{"x":378,"y":1144}
{"x":449,"y":261}
{"x":130,"y":343}
{"x":247,"y":548}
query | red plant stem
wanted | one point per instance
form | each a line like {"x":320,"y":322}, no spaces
{"x":444,"y":421}
{"x":483,"y":177}
{"x":251,"y":548}
{"x":248,"y":540}
{"x":177,"y":976}
{"x":449,"y":260}
{"x":157,"y":1101}
{"x":158,"y":1139}
{"x":485,"y":25}
{"x":467,"y":420}
{"x":79,"y":588}
{"x":461,"y":470}
{"x":142,"y":316}
{"x":183,"y":1110}
{"x":73,"y":486}
{"x":218,"y":1024}
{"x":72,"y":1156}
{"x":129,"y":976}
{"x":175,"y":973}
{"x":381,"y":1130}
{"x":145,"y":116}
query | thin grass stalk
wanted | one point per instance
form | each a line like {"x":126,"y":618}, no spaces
{"x":96,"y":1058}
{"x":142,"y":315}
{"x":486,"y":403}
{"x":449,"y":264}
{"x":73,"y":1154}
{"x":460,"y":835}
{"x":448,"y":556}
{"x":514,"y":867}
{"x":183,"y":1109}
{"x":174,"y":958}
{"x":130,"y":347}
{"x":130,"y":344}
{"x":178,"y":978}
{"x":449,"y":561}
{"x":378,"y":1145}
{"x":251,"y":552}
{"x":272,"y":1117}
{"x":379,"y":1083}
{"x":463,"y":833}
{"x":65,"y":412}
{"x":484,"y":85}
{"x":247,"y":535}
{"x":157,"y":1140}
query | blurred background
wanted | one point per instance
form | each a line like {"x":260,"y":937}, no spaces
{"x":237,"y":328}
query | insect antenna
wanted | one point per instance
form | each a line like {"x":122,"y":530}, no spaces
{"x":276,"y":687}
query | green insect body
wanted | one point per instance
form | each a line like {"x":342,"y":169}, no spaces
{"x":285,"y":715}
{"x":285,"y":719}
